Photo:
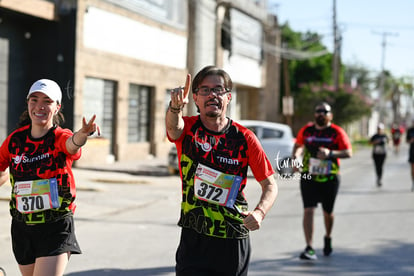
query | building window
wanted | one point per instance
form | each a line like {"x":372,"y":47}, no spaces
{"x":98,"y":99}
{"x":172,"y":12}
{"x":139,"y":113}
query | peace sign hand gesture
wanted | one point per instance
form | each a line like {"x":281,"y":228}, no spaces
{"x":79,"y":138}
{"x":90,"y":127}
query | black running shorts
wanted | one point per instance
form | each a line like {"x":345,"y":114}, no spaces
{"x":314,"y":192}
{"x":42,"y":240}
{"x":201,"y":255}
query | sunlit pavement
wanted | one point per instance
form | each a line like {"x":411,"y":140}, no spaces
{"x":126,"y":223}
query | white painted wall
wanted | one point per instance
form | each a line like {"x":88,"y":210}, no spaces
{"x":120,"y":35}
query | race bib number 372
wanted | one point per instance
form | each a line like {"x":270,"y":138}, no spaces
{"x":36,"y":195}
{"x":216,"y":187}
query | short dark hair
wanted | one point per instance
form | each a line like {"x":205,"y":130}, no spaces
{"x":208,"y":71}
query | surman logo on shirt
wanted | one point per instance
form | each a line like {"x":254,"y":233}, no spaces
{"x":226,"y":160}
{"x":24,"y":159}
{"x":18,"y":159}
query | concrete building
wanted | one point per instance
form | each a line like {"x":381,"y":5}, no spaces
{"x":119,"y":58}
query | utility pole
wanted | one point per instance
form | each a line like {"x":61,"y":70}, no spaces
{"x":382,"y":76}
{"x":336,"y":54}
{"x":287,"y":100}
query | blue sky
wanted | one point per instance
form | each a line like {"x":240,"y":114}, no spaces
{"x":362,"y":24}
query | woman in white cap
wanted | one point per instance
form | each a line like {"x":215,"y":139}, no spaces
{"x":37,"y":158}
{"x":379,"y":141}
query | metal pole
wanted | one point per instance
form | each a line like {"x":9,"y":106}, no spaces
{"x":335,"y":63}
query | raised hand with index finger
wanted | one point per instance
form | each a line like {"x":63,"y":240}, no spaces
{"x":179,"y":96}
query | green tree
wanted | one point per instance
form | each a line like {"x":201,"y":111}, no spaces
{"x":348,"y":105}
{"x":310,"y":79}
{"x":309,"y":60}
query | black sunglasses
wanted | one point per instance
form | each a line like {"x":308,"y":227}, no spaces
{"x":324,"y":111}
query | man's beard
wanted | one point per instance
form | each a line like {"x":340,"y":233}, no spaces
{"x":213,"y":114}
{"x":321,"y":121}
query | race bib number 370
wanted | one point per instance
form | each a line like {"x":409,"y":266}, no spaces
{"x":36,"y":195}
{"x":216,"y":187}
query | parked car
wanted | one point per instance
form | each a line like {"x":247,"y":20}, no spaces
{"x":173,"y":161}
{"x":277,"y":141}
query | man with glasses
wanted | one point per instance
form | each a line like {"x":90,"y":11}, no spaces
{"x":321,"y":144}
{"x":214,"y":153}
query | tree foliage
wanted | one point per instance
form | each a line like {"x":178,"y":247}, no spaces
{"x":311,"y":82}
{"x":314,"y":70}
{"x":347,"y":105}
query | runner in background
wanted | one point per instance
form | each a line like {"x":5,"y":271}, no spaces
{"x":321,"y":143}
{"x":396,"y":132}
{"x":379,"y":142}
{"x":410,"y":141}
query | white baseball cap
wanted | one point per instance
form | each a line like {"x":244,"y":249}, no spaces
{"x":47,"y":87}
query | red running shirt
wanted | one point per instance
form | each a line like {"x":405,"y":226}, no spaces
{"x":332,"y":137}
{"x":223,"y":154}
{"x":31,"y":159}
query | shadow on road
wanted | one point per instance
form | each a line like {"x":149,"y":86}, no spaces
{"x":391,"y":258}
{"x":158,"y":271}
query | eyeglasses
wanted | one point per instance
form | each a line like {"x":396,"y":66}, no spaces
{"x":206,"y":91}
{"x":324,"y":111}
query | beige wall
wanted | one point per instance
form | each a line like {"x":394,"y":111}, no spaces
{"x":124,"y":71}
{"x":38,"y":8}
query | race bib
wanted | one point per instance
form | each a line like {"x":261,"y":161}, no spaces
{"x":36,"y":195}
{"x":319,"y":167}
{"x":216,"y":187}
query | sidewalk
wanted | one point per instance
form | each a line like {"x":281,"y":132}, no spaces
{"x":86,"y":175}
{"x":150,"y":166}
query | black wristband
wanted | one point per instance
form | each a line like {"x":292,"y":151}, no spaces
{"x":174,"y":109}
{"x":73,"y":141}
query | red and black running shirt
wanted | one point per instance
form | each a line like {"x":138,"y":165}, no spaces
{"x":30,"y":159}
{"x":229,"y":152}
{"x":332,"y":137}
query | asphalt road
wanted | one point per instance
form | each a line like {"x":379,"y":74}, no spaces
{"x":126,"y":225}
